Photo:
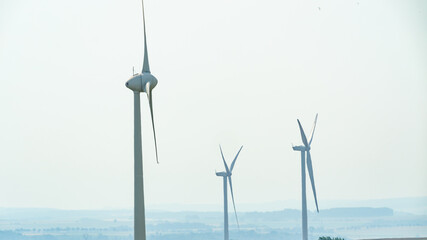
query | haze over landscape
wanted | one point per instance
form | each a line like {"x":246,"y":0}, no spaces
{"x":231,"y":73}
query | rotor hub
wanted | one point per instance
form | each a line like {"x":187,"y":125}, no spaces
{"x":139,"y":82}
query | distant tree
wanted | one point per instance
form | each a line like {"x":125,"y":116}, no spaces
{"x":85,"y":236}
{"x":329,"y":238}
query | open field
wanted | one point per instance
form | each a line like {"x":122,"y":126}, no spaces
{"x":349,"y":223}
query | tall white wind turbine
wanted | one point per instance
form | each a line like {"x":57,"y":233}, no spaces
{"x":227,"y":176}
{"x":306,"y":149}
{"x":143,"y":82}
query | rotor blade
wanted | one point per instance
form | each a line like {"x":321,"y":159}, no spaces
{"x":146,"y":66}
{"x":223,"y":159}
{"x":234,"y":161}
{"x":310,"y":172}
{"x":148,"y":90}
{"x":304,"y":139}
{"x":312,"y":130}
{"x":232,"y":198}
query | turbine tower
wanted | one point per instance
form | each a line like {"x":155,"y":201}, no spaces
{"x":143,"y":82}
{"x":306,"y":149}
{"x":227,"y":175}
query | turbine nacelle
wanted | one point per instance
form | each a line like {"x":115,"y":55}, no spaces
{"x":300,"y":148}
{"x":138,"y":83}
{"x":221,"y":174}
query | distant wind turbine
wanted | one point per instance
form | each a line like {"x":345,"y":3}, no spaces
{"x":143,"y":82}
{"x":303,"y":149}
{"x":227,"y":175}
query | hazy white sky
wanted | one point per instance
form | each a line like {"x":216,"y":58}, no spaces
{"x":230,"y":72}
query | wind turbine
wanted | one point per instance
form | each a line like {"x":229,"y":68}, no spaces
{"x":227,"y":175}
{"x":143,"y":82}
{"x":306,"y":149}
